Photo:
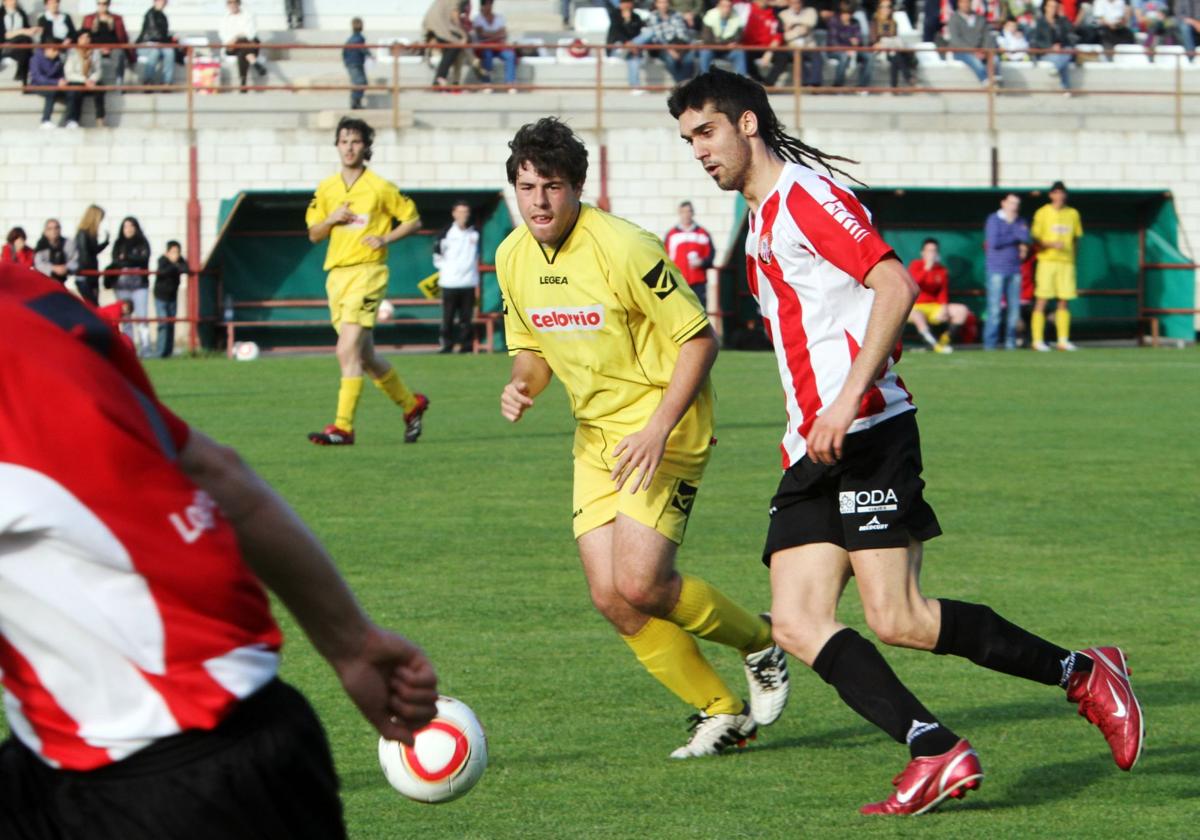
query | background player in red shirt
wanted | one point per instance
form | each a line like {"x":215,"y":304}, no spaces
{"x":691,"y":249}
{"x":933,"y":304}
{"x":137,"y":649}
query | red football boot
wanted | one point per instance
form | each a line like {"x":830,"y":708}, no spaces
{"x":927,"y":780}
{"x":412,"y":420}
{"x":332,"y":436}
{"x":1106,"y":698}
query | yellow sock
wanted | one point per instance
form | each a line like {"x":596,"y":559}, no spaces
{"x":705,"y":611}
{"x":348,"y":394}
{"x":392,"y":385}
{"x":1062,"y":322}
{"x":672,"y":657}
{"x":1037,"y":326}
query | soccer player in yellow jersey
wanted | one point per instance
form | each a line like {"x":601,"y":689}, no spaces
{"x":594,"y":300}
{"x":355,"y":209}
{"x":1056,"y":228}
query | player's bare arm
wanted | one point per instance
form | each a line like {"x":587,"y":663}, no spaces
{"x":340,"y":216}
{"x":395,"y":235}
{"x":641,"y":452}
{"x":895,"y":292}
{"x":388,"y":677}
{"x":530,"y":376}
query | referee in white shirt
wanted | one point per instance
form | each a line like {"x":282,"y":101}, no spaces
{"x":456,"y":257}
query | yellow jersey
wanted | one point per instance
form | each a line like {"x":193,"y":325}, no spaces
{"x":608,"y":312}
{"x":1050,"y":225}
{"x":374,"y":201}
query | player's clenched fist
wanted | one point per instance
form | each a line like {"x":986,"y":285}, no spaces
{"x":514,"y":399}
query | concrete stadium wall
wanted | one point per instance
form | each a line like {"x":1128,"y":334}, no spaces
{"x":145,"y":174}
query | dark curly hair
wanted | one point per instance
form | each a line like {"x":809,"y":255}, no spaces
{"x":552,"y":149}
{"x":734,"y":95}
{"x":361,"y":128}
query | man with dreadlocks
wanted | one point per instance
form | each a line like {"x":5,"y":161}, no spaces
{"x":834,"y":298}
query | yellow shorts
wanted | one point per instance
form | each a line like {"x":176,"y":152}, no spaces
{"x":355,"y":292}
{"x":665,"y":507}
{"x":1055,"y":280}
{"x":935,"y":313}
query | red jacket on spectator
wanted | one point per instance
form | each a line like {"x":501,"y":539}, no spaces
{"x":118,"y":29}
{"x":934,"y":283}
{"x":682,"y":244}
{"x":762,"y":28}
{"x":24,"y":257}
{"x":1027,"y":277}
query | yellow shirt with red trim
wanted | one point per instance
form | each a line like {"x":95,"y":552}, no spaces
{"x":608,"y":312}
{"x":375,"y":202}
{"x":1050,"y":225}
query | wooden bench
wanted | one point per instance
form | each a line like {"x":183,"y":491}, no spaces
{"x":485,"y":319}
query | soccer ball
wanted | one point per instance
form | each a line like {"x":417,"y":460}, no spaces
{"x":446,"y":760}
{"x":245,"y":351}
{"x":386,"y":310}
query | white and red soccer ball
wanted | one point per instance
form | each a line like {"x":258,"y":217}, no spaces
{"x":446,"y":760}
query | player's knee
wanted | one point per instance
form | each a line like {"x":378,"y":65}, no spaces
{"x":796,"y":635}
{"x":609,"y":604}
{"x":645,"y":596}
{"x":896,"y":627}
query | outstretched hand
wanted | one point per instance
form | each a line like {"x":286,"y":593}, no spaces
{"x":393,"y":684}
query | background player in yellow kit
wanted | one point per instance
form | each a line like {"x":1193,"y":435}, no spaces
{"x":1056,"y":228}
{"x":355,"y":209}
{"x":594,"y":299}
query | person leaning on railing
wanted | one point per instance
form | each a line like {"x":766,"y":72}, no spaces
{"x":1053,"y":32}
{"x":624,"y":26}
{"x":157,"y":50}
{"x":721,"y":27}
{"x":88,"y":248}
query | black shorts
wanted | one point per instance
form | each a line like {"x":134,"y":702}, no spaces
{"x":871,"y":498}
{"x":265,"y":772}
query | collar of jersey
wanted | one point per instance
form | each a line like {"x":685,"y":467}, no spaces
{"x":357,"y":180}
{"x":550,"y":259}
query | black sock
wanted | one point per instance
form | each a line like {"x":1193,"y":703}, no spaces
{"x":867,"y":684}
{"x":975,"y":632}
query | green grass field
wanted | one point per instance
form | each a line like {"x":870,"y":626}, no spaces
{"x":1067,"y":486}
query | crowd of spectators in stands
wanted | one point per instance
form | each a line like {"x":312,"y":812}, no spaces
{"x":77,"y":259}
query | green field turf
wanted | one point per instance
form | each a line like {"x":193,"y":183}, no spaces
{"x":1068,"y":488}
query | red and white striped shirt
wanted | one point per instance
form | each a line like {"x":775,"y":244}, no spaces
{"x":126,"y":611}
{"x":808,"y":249}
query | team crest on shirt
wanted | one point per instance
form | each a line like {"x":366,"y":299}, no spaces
{"x":764,"y":247}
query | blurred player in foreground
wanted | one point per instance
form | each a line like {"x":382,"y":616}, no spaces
{"x":138,"y":653}
{"x":354,"y":209}
{"x":595,"y":300}
{"x":835,"y":297}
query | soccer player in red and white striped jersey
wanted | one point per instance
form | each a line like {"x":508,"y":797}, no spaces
{"x":138,"y":653}
{"x":834,"y":298}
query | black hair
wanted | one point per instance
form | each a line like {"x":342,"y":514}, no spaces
{"x":1058,"y":185}
{"x":460,"y":202}
{"x":15,"y":234}
{"x":686,"y":204}
{"x":173,"y":243}
{"x":361,"y":128}
{"x":930,"y":241}
{"x":551,"y":148}
{"x":138,"y":236}
{"x":734,"y":95}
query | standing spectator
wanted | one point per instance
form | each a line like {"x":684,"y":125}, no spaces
{"x":132,"y":250}
{"x":158,"y":54}
{"x":239,"y":33}
{"x":844,"y":31}
{"x":691,"y":249}
{"x":46,"y":70}
{"x":761,"y":38}
{"x":294,"y":9}
{"x":666,"y":28}
{"x":799,"y":23}
{"x":16,"y":250}
{"x":1003,"y":234}
{"x":624,"y":27}
{"x":57,"y":26}
{"x":354,"y":57}
{"x":456,"y":257}
{"x":722,"y":27}
{"x":139,"y":652}
{"x":933,"y":304}
{"x":886,"y":33}
{"x":1028,"y":262}
{"x":109,"y":28}
{"x":171,"y":268}
{"x":82,"y":71}
{"x":1053,"y":32}
{"x":1187,"y":16}
{"x":1056,"y":227}
{"x":487,"y":27}
{"x":54,"y":254}
{"x":15,"y":29}
{"x":969,"y":36}
{"x":88,"y":249}
{"x":443,"y":24}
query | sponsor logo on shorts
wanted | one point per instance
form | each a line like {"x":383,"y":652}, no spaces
{"x":685,"y":497}
{"x":867,"y":501}
{"x":873,"y":525}
{"x":567,"y":318}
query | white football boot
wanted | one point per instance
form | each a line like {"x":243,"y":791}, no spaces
{"x":767,"y":676}
{"x":712,"y":734}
